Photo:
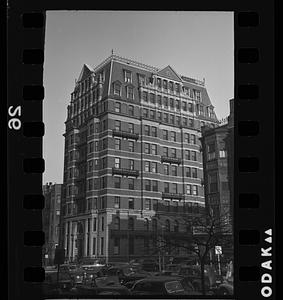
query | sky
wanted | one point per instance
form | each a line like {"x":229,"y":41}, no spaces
{"x":195,"y":44}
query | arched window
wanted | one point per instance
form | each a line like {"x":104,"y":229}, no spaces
{"x":167,"y":225}
{"x":154,"y":224}
{"x":146,"y":224}
{"x":131,"y":224}
{"x":176,"y":226}
{"x":117,"y":223}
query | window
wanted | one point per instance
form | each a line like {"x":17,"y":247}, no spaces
{"x":194,"y":173}
{"x":131,"y":127}
{"x":174,"y":188}
{"x":184,"y":106}
{"x":131,"y":110}
{"x":173,"y":136}
{"x":165,"y":116}
{"x":145,"y":113}
{"x":117,"y":202}
{"x":145,"y":96}
{"x":116,"y":249}
{"x":90,"y":184}
{"x":93,"y":246}
{"x":159,"y":101}
{"x":193,"y":139}
{"x":103,"y":182}
{"x":147,"y":185}
{"x":187,"y":154}
{"x":104,"y":162}
{"x":166,"y":187}
{"x":189,"y":189}
{"x":172,"y":119}
{"x":152,"y":114}
{"x":131,"y":182}
{"x":222,"y":153}
{"x":117,"y":182}
{"x":165,"y":151}
{"x":117,"y":107}
{"x":173,"y":152}
{"x":194,"y":155}
{"x":90,"y":147}
{"x":171,"y":103}
{"x":102,"y":246}
{"x":117,"y":162}
{"x":154,"y":185}
{"x":131,"y":203}
{"x":127,"y":76}
{"x":117,"y":223}
{"x":147,"y":166}
{"x":147,"y":204}
{"x":154,"y":131}
{"x":117,"y":125}
{"x":152,"y":98}
{"x":185,"y":121}
{"x":187,"y":138}
{"x":165,"y":102}
{"x":195,"y":190}
{"x":197,"y":95}
{"x":117,"y":144}
{"x":159,"y":116}
{"x":178,"y":120}
{"x":130,"y":92}
{"x":191,"y":123}
{"x":146,"y":130}
{"x":154,"y":205}
{"x":154,"y":167}
{"x":165,"y":134}
{"x":131,"y":146}
{"x":94,"y":207}
{"x":171,"y":88}
{"x":153,"y":149}
{"x":102,"y":224}
{"x":131,"y":224}
{"x":147,"y":148}
{"x":166,"y":169}
{"x":190,"y":107}
{"x":131,"y":164}
{"x":212,"y":181}
{"x":91,"y":128}
{"x":141,"y":79}
{"x":104,"y":143}
{"x":117,"y":89}
{"x":174,"y":170}
{"x":165,"y":84}
{"x":188,"y":172}
{"x":158,"y":82}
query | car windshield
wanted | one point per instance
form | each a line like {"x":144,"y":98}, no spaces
{"x":174,"y":286}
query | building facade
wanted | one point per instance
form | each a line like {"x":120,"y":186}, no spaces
{"x":132,"y":166}
{"x":218,"y":168}
{"x":51,"y":220}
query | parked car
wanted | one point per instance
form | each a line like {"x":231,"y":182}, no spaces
{"x":159,"y":285}
{"x":225,"y":289}
{"x":102,"y":286}
{"x":51,"y":286}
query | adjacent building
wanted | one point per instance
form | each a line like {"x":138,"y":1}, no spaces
{"x":218,"y":168}
{"x":132,"y":163}
{"x":51,"y":220}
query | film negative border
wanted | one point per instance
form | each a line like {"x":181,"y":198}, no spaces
{"x":254,"y":142}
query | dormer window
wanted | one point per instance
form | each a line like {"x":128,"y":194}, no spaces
{"x":197,"y":95}
{"x":127,"y":76}
{"x":158,"y":83}
{"x":117,"y":89}
{"x":141,"y":80}
{"x":165,"y":84}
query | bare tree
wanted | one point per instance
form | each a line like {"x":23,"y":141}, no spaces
{"x":207,"y":231}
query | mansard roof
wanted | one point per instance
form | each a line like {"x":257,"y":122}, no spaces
{"x":169,"y":73}
{"x":85,"y":72}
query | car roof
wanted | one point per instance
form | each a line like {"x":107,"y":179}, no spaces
{"x":161,"y":278}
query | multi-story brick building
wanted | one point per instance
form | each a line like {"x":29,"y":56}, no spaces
{"x":51,"y":220}
{"x":218,"y":168}
{"x":133,"y":166}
